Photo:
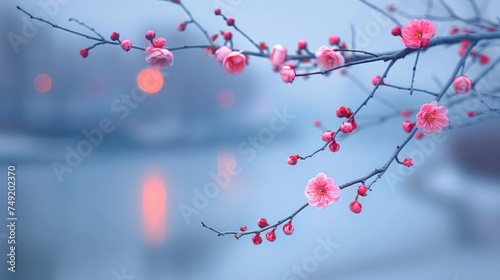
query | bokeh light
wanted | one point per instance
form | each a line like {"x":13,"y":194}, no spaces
{"x":227,"y":167}
{"x":225,"y":98}
{"x":43,"y":83}
{"x":150,"y":80}
{"x":154,"y":199}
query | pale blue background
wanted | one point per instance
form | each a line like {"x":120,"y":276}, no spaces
{"x":89,"y":225}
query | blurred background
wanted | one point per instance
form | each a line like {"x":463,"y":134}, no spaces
{"x":112,"y":183}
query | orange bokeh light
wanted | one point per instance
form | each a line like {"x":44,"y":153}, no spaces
{"x":43,"y":83}
{"x":154,"y":199}
{"x":150,"y":80}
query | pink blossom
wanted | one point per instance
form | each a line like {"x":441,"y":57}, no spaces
{"x":334,"y":147}
{"x":292,"y":160}
{"x":230,"y":21}
{"x":234,"y":62}
{"x":346,"y":127}
{"x":432,"y":118}
{"x":227,"y":35}
{"x":322,"y":191}
{"x":327,"y":136}
{"x":150,"y":34}
{"x":221,"y":53}
{"x":256,"y":239}
{"x":159,"y":57}
{"x":333,"y":39}
{"x":408,"y":162}
{"x":462,"y":84}
{"x":159,"y":43}
{"x":341,"y":111}
{"x":287,"y":74}
{"x":278,"y":55}
{"x":126,"y":45}
{"x":327,"y":58}
{"x":408,"y":126}
{"x":288,"y":228}
{"x":417,"y":30}
{"x":356,"y":207}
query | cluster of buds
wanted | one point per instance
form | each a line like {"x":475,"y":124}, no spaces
{"x":270,"y":235}
{"x":349,"y":125}
{"x":355,"y":206}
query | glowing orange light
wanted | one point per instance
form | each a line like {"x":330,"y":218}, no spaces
{"x":153,"y":207}
{"x":150,"y":80}
{"x":43,"y":83}
{"x":225,"y":98}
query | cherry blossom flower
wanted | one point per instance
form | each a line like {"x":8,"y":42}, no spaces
{"x":462,"y":84}
{"x":287,"y":74}
{"x":432,"y":118}
{"x":346,"y":127}
{"x":278,"y":55}
{"x":234,"y":62}
{"x":157,"y":56}
{"x":322,"y":191}
{"x":327,"y":58}
{"x":221,"y":53}
{"x":417,"y":30}
{"x":159,"y":43}
{"x":126,"y":45}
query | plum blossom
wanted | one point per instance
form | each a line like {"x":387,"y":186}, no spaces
{"x":462,"y":84}
{"x":234,"y":63}
{"x":126,"y":45}
{"x":432,"y":118}
{"x":414,"y":33}
{"x":321,"y":191}
{"x":278,"y":55}
{"x":157,"y":56}
{"x":287,"y":74}
{"x":408,"y":126}
{"x":327,"y":58}
{"x":221,"y":53}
